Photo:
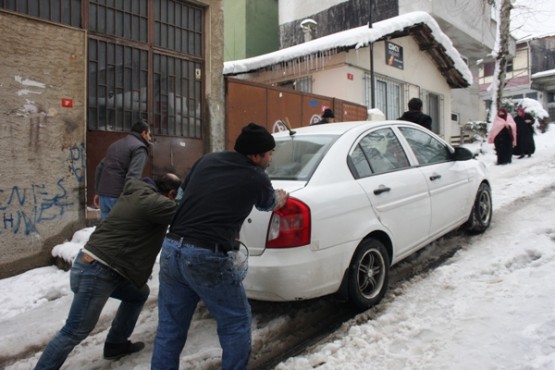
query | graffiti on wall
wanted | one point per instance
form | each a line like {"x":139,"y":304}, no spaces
{"x":23,"y":208}
{"x":77,"y":162}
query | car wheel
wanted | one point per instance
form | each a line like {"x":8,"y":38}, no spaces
{"x":368,"y":274}
{"x":481,"y":214}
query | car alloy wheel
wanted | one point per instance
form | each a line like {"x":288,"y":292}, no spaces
{"x":368,"y":274}
{"x":480,"y":217}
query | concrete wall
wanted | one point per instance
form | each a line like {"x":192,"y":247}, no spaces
{"x":214,"y":81}
{"x":42,"y":174}
{"x":43,"y":74}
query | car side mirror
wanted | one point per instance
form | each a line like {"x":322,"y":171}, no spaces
{"x":462,"y":154}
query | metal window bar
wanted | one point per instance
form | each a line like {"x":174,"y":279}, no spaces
{"x":179,"y":26}
{"x":66,"y":12}
{"x":388,"y":95}
{"x":304,"y":84}
{"x":127,"y":19}
{"x":118,"y":76}
{"x":177,"y":97}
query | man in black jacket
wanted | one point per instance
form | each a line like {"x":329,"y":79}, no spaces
{"x":116,"y":262}
{"x":124,"y":159}
{"x":414,"y":114}
{"x":199,"y":258}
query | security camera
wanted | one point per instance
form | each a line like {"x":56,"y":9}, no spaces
{"x":308,"y":23}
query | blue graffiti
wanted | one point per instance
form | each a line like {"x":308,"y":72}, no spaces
{"x":24,"y":208}
{"x":77,"y":161}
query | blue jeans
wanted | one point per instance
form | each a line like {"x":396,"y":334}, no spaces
{"x":92,"y":285}
{"x":106,"y":205}
{"x":187,"y":275}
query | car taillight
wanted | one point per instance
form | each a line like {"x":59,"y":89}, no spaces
{"x":289,"y":226}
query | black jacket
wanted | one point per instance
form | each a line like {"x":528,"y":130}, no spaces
{"x":130,"y":238}
{"x":417,"y":117}
{"x":218,"y":194}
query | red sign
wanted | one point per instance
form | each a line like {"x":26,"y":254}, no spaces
{"x":350,"y":76}
{"x":67,"y":103}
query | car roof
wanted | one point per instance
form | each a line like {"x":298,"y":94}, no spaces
{"x":340,"y":128}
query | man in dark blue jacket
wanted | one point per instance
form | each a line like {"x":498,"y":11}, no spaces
{"x":116,"y":262}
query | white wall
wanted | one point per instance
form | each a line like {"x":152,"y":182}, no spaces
{"x":290,"y":10}
{"x":329,"y":75}
{"x":468,"y":18}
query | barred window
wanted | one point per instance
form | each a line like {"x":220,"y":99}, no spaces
{"x":118,"y":80}
{"x":60,"y":11}
{"x":129,"y":79}
{"x":122,"y":86}
{"x":124,"y":18}
{"x":177,"y":97}
{"x":178,"y":26}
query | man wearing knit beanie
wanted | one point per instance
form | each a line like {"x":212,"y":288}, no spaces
{"x":198,"y":254}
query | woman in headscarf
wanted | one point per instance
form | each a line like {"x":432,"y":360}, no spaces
{"x":525,"y":133}
{"x":503,"y":135}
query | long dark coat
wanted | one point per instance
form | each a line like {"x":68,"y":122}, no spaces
{"x":525,"y":144}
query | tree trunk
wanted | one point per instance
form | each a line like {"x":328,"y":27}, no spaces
{"x":504,"y":38}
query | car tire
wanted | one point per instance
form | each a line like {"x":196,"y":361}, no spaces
{"x":368,"y":274}
{"x":480,"y":217}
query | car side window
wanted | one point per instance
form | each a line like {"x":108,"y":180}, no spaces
{"x":428,"y":149}
{"x":378,"y":152}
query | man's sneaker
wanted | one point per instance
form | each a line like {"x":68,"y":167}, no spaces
{"x":114,"y":351}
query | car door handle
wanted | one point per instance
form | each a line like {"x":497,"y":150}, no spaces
{"x":435,"y":177}
{"x":381,"y":189}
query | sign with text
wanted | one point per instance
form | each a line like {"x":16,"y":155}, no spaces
{"x":393,"y":55}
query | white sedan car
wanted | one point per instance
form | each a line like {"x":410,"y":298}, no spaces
{"x":363,"y":196}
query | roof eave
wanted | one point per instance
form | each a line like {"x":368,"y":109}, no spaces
{"x":423,"y":36}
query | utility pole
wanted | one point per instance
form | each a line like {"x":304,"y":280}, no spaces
{"x":371,"y":47}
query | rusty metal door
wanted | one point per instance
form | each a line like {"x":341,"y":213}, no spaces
{"x":167,"y":154}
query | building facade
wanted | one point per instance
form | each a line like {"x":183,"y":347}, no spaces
{"x":530,"y":74}
{"x":75,"y":76}
{"x":469,"y":25}
{"x":410,"y":55}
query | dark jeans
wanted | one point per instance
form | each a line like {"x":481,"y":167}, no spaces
{"x":106,"y":205}
{"x":188,"y":274}
{"x":93,"y":283}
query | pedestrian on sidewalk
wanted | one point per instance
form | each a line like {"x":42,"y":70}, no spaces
{"x":503,"y":135}
{"x":525,"y":145}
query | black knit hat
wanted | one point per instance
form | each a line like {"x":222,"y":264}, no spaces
{"x":254,"y":139}
{"x":328,"y":113}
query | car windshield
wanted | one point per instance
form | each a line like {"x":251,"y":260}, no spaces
{"x":296,"y":157}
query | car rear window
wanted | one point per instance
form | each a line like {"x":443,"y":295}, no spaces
{"x":296,"y":157}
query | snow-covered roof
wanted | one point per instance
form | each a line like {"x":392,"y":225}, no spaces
{"x":549,"y":72}
{"x":438,"y":45}
{"x":535,"y":37}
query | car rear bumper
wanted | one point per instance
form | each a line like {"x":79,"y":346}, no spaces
{"x":296,"y":273}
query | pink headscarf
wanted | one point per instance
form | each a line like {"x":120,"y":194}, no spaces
{"x":501,"y":121}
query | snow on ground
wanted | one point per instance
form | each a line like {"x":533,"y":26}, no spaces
{"x":491,"y":306}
